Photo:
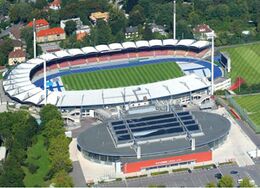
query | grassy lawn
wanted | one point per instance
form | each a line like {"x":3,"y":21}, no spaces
{"x":245,"y":62}
{"x":251,"y":104}
{"x":122,"y":76}
{"x":37,"y":155}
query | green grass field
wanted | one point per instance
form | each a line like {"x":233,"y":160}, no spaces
{"x":245,"y":62}
{"x":122,"y":76}
{"x":251,"y":105}
{"x":37,"y":155}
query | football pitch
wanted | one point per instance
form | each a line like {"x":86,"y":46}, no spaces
{"x":245,"y":63}
{"x":122,"y":77}
{"x":251,"y":105}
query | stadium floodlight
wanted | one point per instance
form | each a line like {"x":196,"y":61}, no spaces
{"x":34,"y":38}
{"x":174,"y":20}
{"x":212,"y":37}
{"x":45,"y":82}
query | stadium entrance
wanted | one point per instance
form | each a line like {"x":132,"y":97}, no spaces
{"x":170,"y":165}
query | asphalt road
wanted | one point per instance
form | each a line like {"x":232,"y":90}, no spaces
{"x":198,"y":178}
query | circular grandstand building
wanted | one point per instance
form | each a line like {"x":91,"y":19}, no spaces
{"x":25,"y":82}
{"x":155,"y":139}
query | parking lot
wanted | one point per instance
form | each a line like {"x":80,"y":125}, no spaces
{"x":198,"y":178}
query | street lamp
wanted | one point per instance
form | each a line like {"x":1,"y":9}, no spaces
{"x":212,"y":37}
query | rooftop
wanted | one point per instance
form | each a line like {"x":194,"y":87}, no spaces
{"x":17,"y":54}
{"x":52,"y":31}
{"x":131,"y":29}
{"x":98,"y":139}
{"x":99,"y":15}
{"x":202,"y":28}
{"x":172,"y":125}
{"x":55,"y":3}
{"x":39,"y":23}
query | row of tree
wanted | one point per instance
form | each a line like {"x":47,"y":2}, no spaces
{"x":227,"y":18}
{"x":16,"y":131}
{"x":228,"y":181}
{"x":58,"y":146}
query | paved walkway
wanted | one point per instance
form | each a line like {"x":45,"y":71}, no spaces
{"x":236,"y":146}
{"x":77,"y":173}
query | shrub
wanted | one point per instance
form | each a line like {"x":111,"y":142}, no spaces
{"x":32,"y":168}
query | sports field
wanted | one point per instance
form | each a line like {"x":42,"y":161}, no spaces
{"x":251,"y":105}
{"x":245,"y":63}
{"x":122,"y":77}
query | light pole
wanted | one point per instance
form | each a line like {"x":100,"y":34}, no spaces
{"x":212,"y":37}
{"x":34,"y":38}
{"x":174,"y":20}
{"x":45,"y":82}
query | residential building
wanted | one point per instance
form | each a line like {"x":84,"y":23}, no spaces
{"x":16,"y":56}
{"x":50,"y":35}
{"x":99,"y":16}
{"x":82,"y":32}
{"x":15,"y":32}
{"x":131,"y":32}
{"x":202,"y":32}
{"x":158,"y":29}
{"x":55,"y":5}
{"x":40,"y":24}
{"x":78,"y":22}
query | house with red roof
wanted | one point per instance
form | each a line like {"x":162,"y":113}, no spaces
{"x":55,"y":5}
{"x":49,"y":35}
{"x":16,"y":56}
{"x":40,"y":24}
{"x":202,"y":32}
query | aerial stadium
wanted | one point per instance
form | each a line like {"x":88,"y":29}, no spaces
{"x":65,"y":69}
{"x":155,"y":140}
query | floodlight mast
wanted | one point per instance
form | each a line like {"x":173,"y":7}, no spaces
{"x":212,"y":62}
{"x":45,"y":82}
{"x":34,"y":39}
{"x":174,"y":20}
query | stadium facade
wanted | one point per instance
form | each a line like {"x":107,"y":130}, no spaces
{"x":154,"y":140}
{"x":21,"y":82}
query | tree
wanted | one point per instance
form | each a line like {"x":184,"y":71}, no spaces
{"x":48,"y":113}
{"x":129,"y":4}
{"x":136,"y":16}
{"x":245,"y":183}
{"x":117,"y":20}
{"x":103,"y":32}
{"x":59,"y":155}
{"x":53,"y":128}
{"x":27,"y":35}
{"x":226,"y":181}
{"x":20,"y":12}
{"x":211,"y":184}
{"x":147,"y":34}
{"x":62,"y":179}
{"x":4,"y":7}
{"x":70,"y":27}
{"x":40,"y":4}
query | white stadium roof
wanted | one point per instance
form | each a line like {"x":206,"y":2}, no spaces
{"x":155,"y":43}
{"x":127,"y":45}
{"x":75,"y":52}
{"x":18,"y":84}
{"x":142,"y":43}
{"x":48,"y":56}
{"x":115,"y":46}
{"x":102,"y":48}
{"x":89,"y":49}
{"x":200,"y":44}
{"x":62,"y":53}
{"x":185,"y":42}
